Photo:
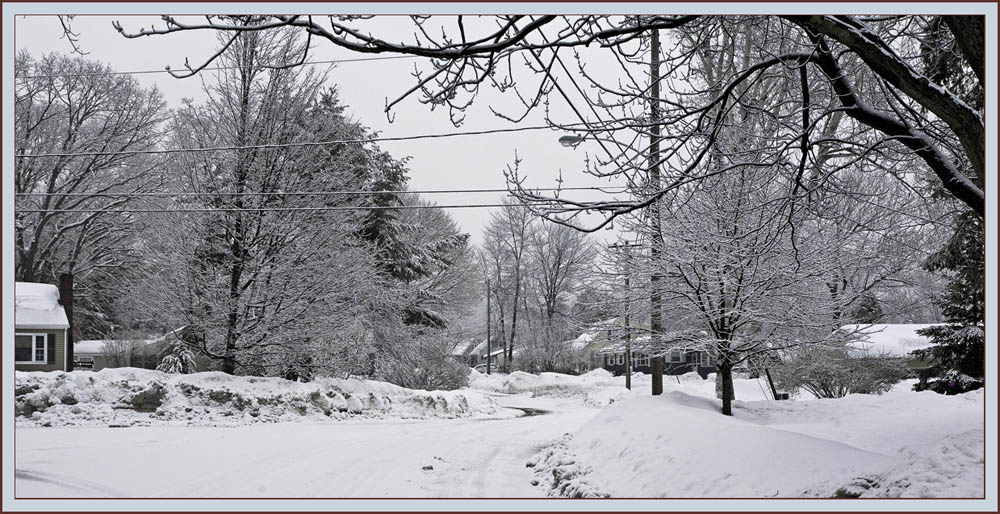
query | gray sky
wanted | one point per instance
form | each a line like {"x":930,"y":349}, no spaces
{"x":464,"y":162}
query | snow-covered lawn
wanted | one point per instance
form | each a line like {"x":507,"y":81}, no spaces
{"x":678,"y":445}
{"x":590,"y":437}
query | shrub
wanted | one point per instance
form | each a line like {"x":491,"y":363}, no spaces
{"x":831,"y":372}
{"x":425,"y":364}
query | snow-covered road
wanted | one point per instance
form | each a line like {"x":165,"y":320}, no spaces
{"x":384,"y":458}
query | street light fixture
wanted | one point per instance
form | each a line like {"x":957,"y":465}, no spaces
{"x":571,"y":140}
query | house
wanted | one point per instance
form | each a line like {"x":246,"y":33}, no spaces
{"x":677,"y":354}
{"x":676,"y":361}
{"x":136,"y":353}
{"x":42,"y":323}
{"x":888,"y":340}
{"x":463,"y":353}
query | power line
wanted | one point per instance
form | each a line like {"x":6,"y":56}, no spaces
{"x":323,"y":193}
{"x":269,"y":209}
{"x":216,"y":68}
{"x":291,"y":145}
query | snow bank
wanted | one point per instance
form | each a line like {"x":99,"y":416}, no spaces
{"x":546,"y":384}
{"x":600,"y":388}
{"x":132,"y":396}
{"x":678,"y":445}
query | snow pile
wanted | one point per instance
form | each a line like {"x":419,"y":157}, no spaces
{"x":132,"y":396}
{"x":37,"y":306}
{"x":678,"y":445}
{"x":546,"y":384}
{"x":599,"y":387}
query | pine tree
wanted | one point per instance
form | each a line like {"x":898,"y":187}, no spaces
{"x":958,"y":348}
{"x":180,"y":360}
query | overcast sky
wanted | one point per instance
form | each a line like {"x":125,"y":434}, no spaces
{"x":454,"y":163}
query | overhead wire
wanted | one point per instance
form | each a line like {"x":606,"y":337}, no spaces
{"x":267,"y":209}
{"x":320,"y":193}
{"x":215,"y":68}
{"x":292,"y":145}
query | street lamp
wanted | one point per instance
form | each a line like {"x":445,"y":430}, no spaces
{"x":571,"y":140}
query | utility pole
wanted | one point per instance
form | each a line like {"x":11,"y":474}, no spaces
{"x":628,"y":324}
{"x":655,"y":300}
{"x":628,"y":342}
{"x":489,"y":328}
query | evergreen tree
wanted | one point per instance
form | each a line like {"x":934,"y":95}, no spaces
{"x":958,"y":347}
{"x":179,"y":360}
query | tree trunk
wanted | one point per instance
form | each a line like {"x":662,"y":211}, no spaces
{"x":725,"y":368}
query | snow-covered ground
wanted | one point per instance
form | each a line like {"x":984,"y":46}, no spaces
{"x":351,"y":458}
{"x":678,"y":445}
{"x":587,"y":437}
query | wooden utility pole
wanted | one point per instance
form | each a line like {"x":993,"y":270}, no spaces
{"x":489,"y":329}
{"x":628,"y":342}
{"x":655,"y":300}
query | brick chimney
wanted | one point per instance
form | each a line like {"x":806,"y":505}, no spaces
{"x":66,"y":299}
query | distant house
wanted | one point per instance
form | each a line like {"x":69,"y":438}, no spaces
{"x":889,"y":340}
{"x":136,"y":353}
{"x":463,"y":353}
{"x":41,"y":327}
{"x":606,"y":341}
{"x":677,"y":361}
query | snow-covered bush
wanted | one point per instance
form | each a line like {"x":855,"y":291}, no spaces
{"x":555,"y":358}
{"x":831,"y":372}
{"x":425,"y":364}
{"x":178,"y":360}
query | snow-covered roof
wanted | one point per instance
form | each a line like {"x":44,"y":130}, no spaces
{"x":581,"y":342}
{"x":891,"y":340}
{"x":37,"y":306}
{"x":95,"y":346}
{"x":88,"y":346}
{"x":462,"y":347}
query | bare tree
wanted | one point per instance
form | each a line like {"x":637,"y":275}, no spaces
{"x":882,"y":72}
{"x":78,"y":127}
{"x":505,"y":257}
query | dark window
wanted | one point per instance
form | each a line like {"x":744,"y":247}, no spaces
{"x":30,"y":348}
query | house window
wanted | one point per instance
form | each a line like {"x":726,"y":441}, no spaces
{"x":31,"y":348}
{"x":675,"y":356}
{"x":641,"y":359}
{"x":621,"y":358}
{"x":705,"y":361}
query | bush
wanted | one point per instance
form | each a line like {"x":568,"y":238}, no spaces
{"x":953,"y":382}
{"x":555,"y":358}
{"x":830,"y":372}
{"x":425,"y":364}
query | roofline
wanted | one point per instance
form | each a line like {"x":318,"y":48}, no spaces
{"x":41,"y":327}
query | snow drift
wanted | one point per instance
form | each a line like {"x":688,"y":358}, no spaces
{"x":678,"y":445}
{"x":132,"y":396}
